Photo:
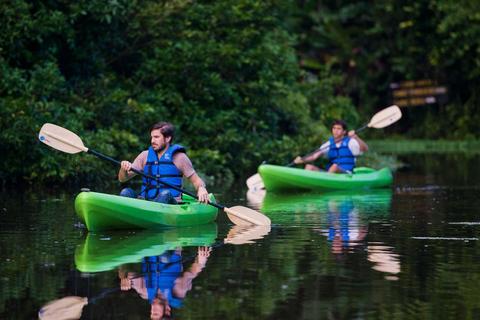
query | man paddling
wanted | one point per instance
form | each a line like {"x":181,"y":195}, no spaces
{"x":341,"y":150}
{"x":167,"y":162}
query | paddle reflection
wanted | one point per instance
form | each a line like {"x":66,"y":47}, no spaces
{"x":384,"y":259}
{"x":239,"y":235}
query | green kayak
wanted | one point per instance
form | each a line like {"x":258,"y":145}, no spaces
{"x":106,"y":250}
{"x":99,"y":211}
{"x":283,"y":178}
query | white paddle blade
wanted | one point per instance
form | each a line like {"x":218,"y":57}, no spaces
{"x":385,"y":117}
{"x":255,"y":182}
{"x":61,"y":139}
{"x":243,"y":216}
{"x":246,"y":234}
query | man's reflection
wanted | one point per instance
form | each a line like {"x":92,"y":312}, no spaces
{"x":344,"y":229}
{"x":164,"y":283}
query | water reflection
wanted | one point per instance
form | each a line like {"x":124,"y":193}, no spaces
{"x":163,"y":282}
{"x":103,"y":251}
{"x":344,"y":228}
{"x":313,"y":208}
{"x":150,"y":263}
{"x":239,"y":235}
{"x":425,"y":238}
{"x":65,"y":308}
{"x":384,"y":259}
{"x":342,"y":217}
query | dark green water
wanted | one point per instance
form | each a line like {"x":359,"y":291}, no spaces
{"x":407,"y":252}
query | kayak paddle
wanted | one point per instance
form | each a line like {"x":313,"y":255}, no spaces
{"x":64,"y":140}
{"x":380,"y":120}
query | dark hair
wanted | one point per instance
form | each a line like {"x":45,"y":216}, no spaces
{"x":166,"y":129}
{"x":340,"y":122}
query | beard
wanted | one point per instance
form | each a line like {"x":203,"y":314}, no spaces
{"x":160,"y":148}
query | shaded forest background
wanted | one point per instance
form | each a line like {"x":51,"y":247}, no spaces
{"x":243,"y":81}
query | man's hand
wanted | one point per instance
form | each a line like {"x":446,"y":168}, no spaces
{"x":124,"y":174}
{"x":298,"y":160}
{"x":126,"y":165}
{"x":203,"y":196}
{"x":352,"y":134}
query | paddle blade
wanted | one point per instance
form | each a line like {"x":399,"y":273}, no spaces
{"x":245,"y":234}
{"x":61,"y":139}
{"x":385,"y":117}
{"x":255,"y":182}
{"x":246,"y":217}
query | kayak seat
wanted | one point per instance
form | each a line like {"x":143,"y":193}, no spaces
{"x":363,"y":170}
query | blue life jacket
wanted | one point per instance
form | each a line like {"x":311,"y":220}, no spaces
{"x":164,"y":170}
{"x":341,"y":155}
{"x":160,"y":273}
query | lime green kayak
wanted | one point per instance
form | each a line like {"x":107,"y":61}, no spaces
{"x":99,"y":211}
{"x":106,"y":250}
{"x":283,"y":178}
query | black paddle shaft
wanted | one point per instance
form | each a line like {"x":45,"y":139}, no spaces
{"x":321,"y":149}
{"x":216,"y":205}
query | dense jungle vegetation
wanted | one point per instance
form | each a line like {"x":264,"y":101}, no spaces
{"x":242,"y":80}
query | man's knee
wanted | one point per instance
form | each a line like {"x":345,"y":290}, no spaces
{"x":311,"y":167}
{"x":165,"y":193}
{"x":129,"y":193}
{"x":165,"y":196}
{"x":334,"y":168}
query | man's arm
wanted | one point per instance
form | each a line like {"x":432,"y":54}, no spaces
{"x":124,"y":174}
{"x":184,"y":165}
{"x":361,"y":143}
{"x":201,"y":188}
{"x":314,"y":156}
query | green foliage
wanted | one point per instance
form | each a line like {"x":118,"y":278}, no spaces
{"x":224,"y":73}
{"x":374,"y":44}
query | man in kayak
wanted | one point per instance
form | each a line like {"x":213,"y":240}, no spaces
{"x":341,"y":150}
{"x":167,"y":162}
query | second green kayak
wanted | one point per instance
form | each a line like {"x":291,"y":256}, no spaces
{"x":277,"y":178}
{"x":99,"y":211}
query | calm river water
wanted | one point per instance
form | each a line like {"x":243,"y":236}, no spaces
{"x":410,"y":251}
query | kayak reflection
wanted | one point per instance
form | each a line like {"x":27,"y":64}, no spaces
{"x":103,"y":251}
{"x":313,"y":206}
